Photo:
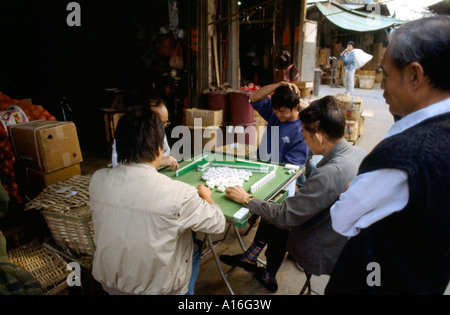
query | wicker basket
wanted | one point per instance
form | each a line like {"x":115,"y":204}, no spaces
{"x":47,"y":268}
{"x":64,"y":207}
{"x":366,"y":82}
{"x":72,"y":230}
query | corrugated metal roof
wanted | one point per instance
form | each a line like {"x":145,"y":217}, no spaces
{"x":355,"y":20}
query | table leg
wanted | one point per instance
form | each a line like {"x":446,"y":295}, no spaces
{"x":205,"y":240}
{"x":211,"y":245}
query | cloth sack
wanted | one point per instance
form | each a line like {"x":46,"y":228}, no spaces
{"x":361,"y":58}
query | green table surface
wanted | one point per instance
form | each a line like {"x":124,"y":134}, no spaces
{"x":229,"y":207}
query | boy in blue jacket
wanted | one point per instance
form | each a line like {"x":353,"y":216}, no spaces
{"x":281,"y":111}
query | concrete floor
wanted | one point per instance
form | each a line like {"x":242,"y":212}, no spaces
{"x":290,"y":278}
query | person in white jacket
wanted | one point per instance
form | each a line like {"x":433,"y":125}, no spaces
{"x":143,"y":220}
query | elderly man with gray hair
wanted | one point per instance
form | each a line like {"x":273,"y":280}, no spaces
{"x":396,"y":210}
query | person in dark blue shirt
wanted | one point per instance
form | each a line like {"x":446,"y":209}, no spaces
{"x":283,"y":126}
{"x":283,"y":141}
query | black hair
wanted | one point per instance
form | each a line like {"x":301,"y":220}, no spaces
{"x":351,"y":43}
{"x":285,"y":97}
{"x":138,"y":136}
{"x":324,"y":115}
{"x":156,"y":101}
{"x":426,"y":41}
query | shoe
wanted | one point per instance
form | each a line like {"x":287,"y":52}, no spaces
{"x":271,"y":287}
{"x":236,"y":262}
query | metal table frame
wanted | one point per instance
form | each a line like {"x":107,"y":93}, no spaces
{"x":212,"y":245}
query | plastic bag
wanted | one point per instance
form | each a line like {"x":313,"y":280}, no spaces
{"x":361,"y":58}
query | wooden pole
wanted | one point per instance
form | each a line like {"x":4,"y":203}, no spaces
{"x":216,"y":58}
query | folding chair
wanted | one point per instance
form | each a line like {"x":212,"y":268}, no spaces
{"x":307,"y":284}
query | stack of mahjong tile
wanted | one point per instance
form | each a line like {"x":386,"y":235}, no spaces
{"x":253,"y":167}
{"x":203,"y":167}
{"x":262,"y":182}
{"x":224,"y":177}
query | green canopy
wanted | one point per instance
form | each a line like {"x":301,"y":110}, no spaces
{"x":355,"y":20}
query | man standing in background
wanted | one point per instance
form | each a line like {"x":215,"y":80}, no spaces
{"x":350,"y":67}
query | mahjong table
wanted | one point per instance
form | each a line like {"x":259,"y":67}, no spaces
{"x":273,"y":190}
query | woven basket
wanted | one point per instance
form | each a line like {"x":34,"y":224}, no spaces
{"x":72,"y":232}
{"x":64,"y":207}
{"x":47,"y":268}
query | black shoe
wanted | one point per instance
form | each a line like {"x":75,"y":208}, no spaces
{"x":271,"y":287}
{"x":236,"y":262}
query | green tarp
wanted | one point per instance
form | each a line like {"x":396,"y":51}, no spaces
{"x":355,"y":20}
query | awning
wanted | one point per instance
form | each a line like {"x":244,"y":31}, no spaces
{"x":355,"y":20}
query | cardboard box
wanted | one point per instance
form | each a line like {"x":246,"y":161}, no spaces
{"x":45,"y":145}
{"x":304,"y":85}
{"x":32,"y":182}
{"x":305,"y":88}
{"x":351,"y":130}
{"x":209,"y":117}
{"x":305,"y":93}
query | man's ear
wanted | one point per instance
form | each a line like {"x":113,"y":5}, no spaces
{"x":415,"y":74}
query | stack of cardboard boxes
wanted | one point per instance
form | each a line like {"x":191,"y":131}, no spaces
{"x":351,"y":107}
{"x":45,"y":152}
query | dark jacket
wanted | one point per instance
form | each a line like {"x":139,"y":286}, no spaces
{"x":412,"y":246}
